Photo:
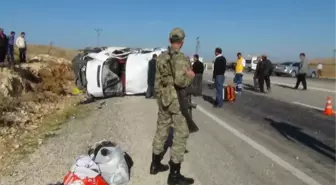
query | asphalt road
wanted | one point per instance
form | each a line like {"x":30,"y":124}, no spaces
{"x":257,"y":140}
{"x":282,"y":89}
{"x":300,"y":136}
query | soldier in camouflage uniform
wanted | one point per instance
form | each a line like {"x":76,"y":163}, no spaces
{"x":173,"y":69}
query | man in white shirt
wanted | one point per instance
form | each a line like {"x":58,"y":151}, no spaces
{"x":319,"y":70}
{"x":21,"y":44}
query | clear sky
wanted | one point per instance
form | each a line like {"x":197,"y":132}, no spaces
{"x":281,"y":28}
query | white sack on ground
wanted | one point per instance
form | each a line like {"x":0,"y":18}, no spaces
{"x":113,"y":166}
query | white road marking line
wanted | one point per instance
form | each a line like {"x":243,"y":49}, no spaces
{"x":309,"y":87}
{"x":290,"y":168}
{"x":309,"y":106}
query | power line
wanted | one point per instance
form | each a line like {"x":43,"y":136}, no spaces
{"x":98,"y":31}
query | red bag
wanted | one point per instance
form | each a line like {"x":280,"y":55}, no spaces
{"x":229,"y":93}
{"x":72,"y":179}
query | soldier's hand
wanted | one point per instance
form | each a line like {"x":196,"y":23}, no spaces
{"x":190,"y":73}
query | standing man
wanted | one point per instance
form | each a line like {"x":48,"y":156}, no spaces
{"x":218,"y":76}
{"x":11,"y":40}
{"x":238,"y":78}
{"x":256,"y":73}
{"x":151,"y":77}
{"x":301,"y":76}
{"x":319,"y":70}
{"x":21,"y":44}
{"x":173,"y":70}
{"x":198,"y":69}
{"x":264,"y":73}
{"x":3,"y":46}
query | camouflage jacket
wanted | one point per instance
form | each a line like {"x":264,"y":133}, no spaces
{"x":166,"y":80}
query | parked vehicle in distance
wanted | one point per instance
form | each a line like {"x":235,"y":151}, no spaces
{"x":291,"y":69}
{"x":251,"y":63}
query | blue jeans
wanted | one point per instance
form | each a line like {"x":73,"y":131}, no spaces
{"x":238,"y":80}
{"x":219,"y":82}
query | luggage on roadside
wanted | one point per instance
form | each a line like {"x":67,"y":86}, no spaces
{"x":229,"y":93}
{"x":105,"y":164}
{"x":84,"y":171}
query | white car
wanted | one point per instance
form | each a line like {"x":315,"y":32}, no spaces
{"x":291,"y":69}
{"x":116,"y":71}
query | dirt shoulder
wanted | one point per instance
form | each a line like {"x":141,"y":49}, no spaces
{"x":35,"y":98}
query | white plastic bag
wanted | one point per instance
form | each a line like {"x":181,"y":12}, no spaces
{"x":112,"y":165}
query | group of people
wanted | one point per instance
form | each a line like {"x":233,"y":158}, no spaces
{"x":7,"y":44}
{"x":261,"y":76}
{"x":218,"y":75}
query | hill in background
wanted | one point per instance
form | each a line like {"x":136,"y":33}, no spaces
{"x":52,"y":50}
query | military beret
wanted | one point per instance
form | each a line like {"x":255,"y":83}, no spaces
{"x":177,"y":34}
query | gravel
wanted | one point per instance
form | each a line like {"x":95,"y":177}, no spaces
{"x":128,"y":121}
{"x":216,"y":157}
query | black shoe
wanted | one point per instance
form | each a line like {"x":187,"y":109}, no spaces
{"x":175,"y":177}
{"x":156,"y":165}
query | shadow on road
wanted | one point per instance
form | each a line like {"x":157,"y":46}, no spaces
{"x":208,"y":99}
{"x":285,"y":86}
{"x":295,"y":134}
{"x":250,"y":87}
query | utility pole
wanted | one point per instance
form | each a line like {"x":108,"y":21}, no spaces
{"x":334,"y":51}
{"x":50,"y":47}
{"x":197,"y":45}
{"x":98,"y":31}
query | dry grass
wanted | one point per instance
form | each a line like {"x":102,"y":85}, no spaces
{"x":31,"y":140}
{"x":50,"y":50}
{"x":327,"y":61}
{"x":51,"y":84}
{"x":28,"y":91}
{"x":329,"y":67}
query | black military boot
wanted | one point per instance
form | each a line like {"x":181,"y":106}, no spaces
{"x":175,"y":177}
{"x":156,"y":165}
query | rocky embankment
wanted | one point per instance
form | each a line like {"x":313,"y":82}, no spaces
{"x":28,"y":93}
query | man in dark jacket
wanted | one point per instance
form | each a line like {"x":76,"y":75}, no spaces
{"x":256,"y":72}
{"x":263,"y":73}
{"x":218,"y":76}
{"x":151,"y":77}
{"x":3,"y":46}
{"x":11,"y":42}
{"x":198,"y":69}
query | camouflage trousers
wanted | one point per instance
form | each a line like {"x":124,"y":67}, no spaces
{"x":167,"y":119}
